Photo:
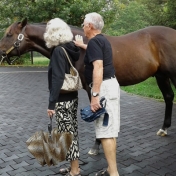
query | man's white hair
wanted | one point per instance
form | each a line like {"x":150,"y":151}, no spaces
{"x":95,"y":19}
{"x":57,"y":32}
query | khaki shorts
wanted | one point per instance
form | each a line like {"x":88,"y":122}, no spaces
{"x":111,"y":91}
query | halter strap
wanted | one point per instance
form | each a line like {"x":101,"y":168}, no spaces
{"x":15,"y":45}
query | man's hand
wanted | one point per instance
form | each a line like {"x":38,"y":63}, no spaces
{"x":79,"y":41}
{"x":79,"y":38}
{"x":50,"y":112}
{"x":95,"y":104}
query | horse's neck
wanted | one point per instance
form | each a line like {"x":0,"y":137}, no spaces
{"x":78,"y":31}
{"x":36,"y":41}
{"x":35,"y":35}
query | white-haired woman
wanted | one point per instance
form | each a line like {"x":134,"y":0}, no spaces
{"x":58,"y":34}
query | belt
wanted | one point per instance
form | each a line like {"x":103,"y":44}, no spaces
{"x":109,"y":78}
{"x":90,"y":85}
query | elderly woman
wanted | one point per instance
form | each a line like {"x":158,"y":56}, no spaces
{"x":58,"y":34}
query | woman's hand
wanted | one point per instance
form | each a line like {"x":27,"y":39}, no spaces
{"x":50,"y":112}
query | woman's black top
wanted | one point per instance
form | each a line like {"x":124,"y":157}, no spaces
{"x":57,"y":68}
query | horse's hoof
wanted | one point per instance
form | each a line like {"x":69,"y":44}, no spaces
{"x":93,"y":151}
{"x":162,"y":132}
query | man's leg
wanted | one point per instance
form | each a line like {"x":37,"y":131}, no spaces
{"x":109,"y":147}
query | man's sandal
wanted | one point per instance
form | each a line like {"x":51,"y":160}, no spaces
{"x":69,"y":174}
{"x":102,"y":173}
{"x":64,"y":170}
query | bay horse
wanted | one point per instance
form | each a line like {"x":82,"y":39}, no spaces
{"x":136,"y":56}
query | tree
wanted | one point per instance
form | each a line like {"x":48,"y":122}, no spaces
{"x":134,"y":16}
{"x":71,"y":11}
{"x":170,"y":19}
{"x":157,"y":10}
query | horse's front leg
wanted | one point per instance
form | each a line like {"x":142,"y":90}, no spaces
{"x":95,"y":148}
{"x":168,"y":94}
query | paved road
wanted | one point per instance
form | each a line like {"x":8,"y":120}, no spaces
{"x":23,"y":104}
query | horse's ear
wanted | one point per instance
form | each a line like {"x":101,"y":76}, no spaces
{"x":23,"y":22}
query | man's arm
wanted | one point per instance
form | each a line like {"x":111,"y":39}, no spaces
{"x":97,"y":80}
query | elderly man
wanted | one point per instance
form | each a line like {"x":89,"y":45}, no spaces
{"x":100,"y":76}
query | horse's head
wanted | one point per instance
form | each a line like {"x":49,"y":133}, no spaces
{"x":22,"y":37}
{"x":12,"y":44}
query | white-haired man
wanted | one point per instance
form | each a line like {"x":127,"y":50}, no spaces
{"x":100,"y":75}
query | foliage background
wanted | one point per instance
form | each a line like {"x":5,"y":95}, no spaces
{"x":121,"y":16}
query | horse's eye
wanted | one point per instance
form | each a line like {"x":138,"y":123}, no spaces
{"x":9,"y":34}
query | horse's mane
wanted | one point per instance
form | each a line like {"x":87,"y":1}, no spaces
{"x":39,"y":24}
{"x":71,"y":26}
{"x":7,"y":30}
{"x":75,"y":27}
{"x":43,"y":23}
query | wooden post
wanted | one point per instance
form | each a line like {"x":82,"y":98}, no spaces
{"x":32,"y":61}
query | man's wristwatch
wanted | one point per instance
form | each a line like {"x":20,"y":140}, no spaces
{"x":95,"y":94}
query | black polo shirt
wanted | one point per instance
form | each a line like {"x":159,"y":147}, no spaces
{"x":98,"y":48}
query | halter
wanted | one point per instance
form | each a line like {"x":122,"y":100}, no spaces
{"x":16,"y":46}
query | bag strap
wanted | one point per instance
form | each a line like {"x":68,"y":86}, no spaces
{"x":67,"y":56}
{"x":50,"y":126}
{"x":106,"y":115}
{"x":101,"y":102}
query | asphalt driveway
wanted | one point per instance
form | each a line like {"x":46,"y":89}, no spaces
{"x":23,"y":105}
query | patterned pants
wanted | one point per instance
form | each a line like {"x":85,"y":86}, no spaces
{"x":66,"y":120}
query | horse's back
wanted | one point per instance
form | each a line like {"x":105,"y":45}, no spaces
{"x":140,"y":54}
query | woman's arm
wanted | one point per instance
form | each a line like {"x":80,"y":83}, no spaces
{"x":58,"y":62}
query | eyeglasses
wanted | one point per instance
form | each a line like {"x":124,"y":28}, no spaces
{"x":82,"y":25}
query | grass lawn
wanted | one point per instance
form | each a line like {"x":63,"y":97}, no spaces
{"x":37,"y":61}
{"x":148,"y":88}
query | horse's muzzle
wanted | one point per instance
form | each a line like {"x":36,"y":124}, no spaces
{"x":4,"y":57}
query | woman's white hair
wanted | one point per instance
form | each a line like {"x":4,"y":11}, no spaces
{"x":95,"y":19}
{"x":57,"y":32}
